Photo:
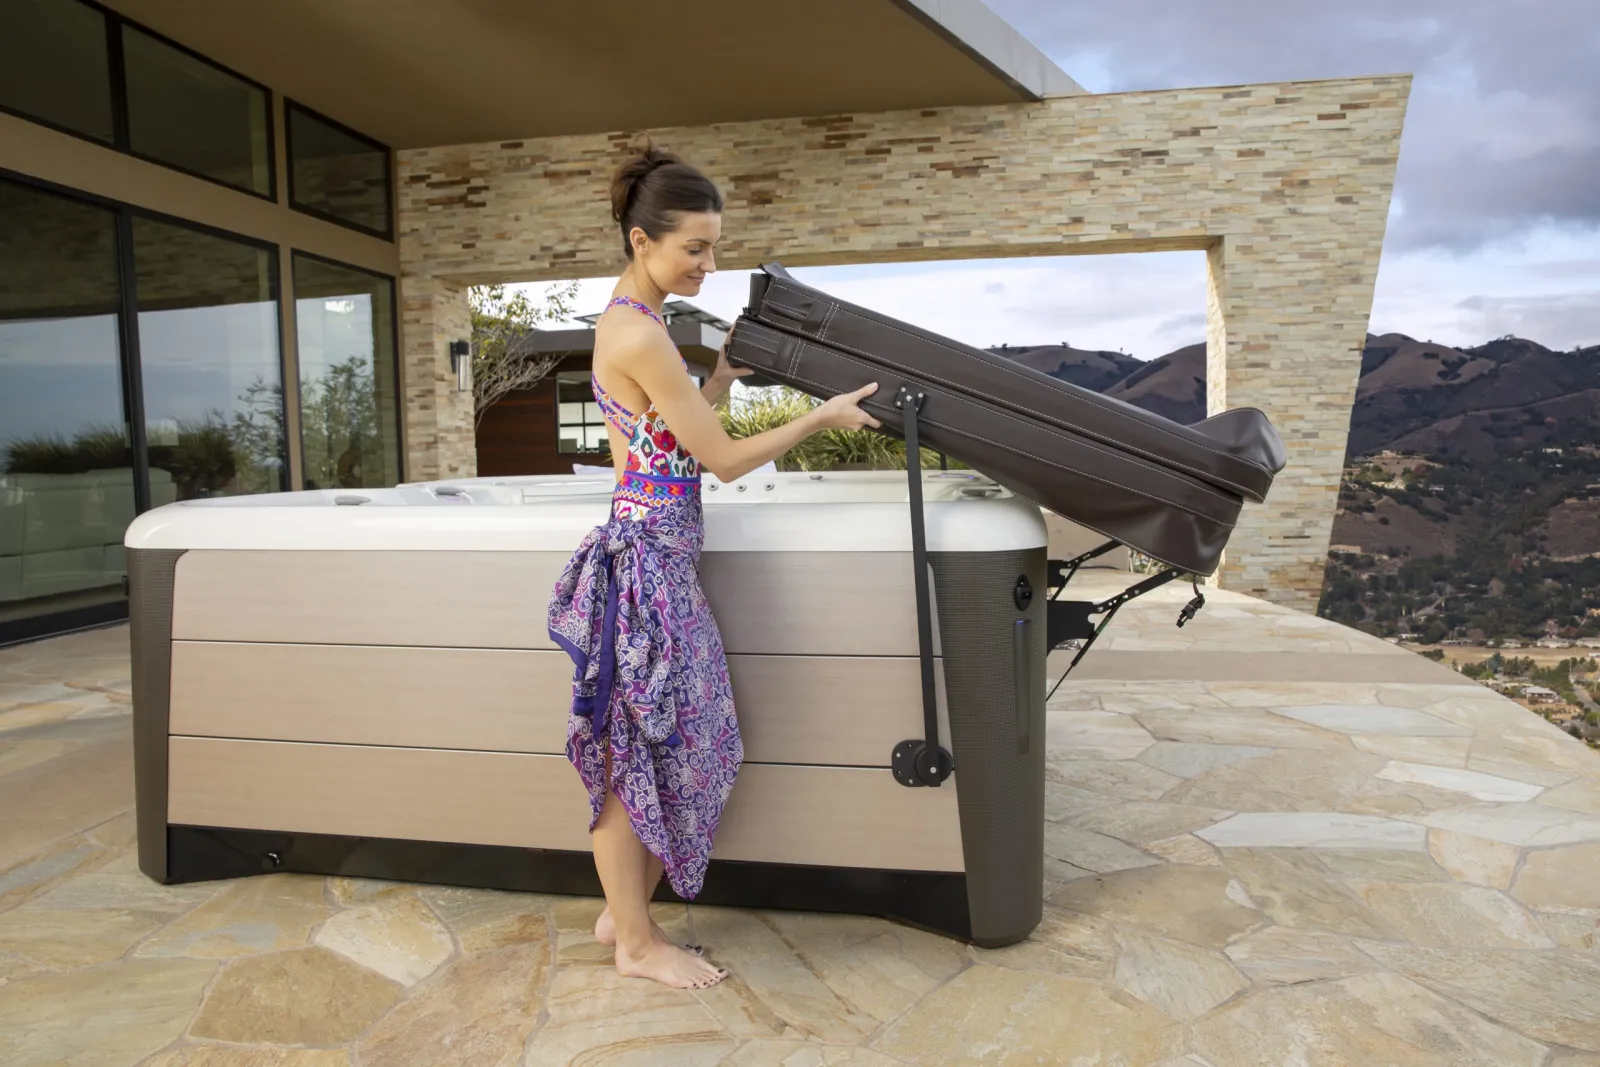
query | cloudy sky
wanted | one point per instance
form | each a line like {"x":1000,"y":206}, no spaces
{"x":1495,"y":226}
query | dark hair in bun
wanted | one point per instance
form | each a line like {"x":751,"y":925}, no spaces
{"x":652,"y":189}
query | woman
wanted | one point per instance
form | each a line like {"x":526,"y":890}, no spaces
{"x":653,"y":732}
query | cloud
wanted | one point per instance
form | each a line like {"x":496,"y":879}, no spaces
{"x":1503,"y":128}
{"x":1541,"y":285}
{"x":1566,"y":319}
{"x":1495,"y":225}
{"x":1145,"y":304}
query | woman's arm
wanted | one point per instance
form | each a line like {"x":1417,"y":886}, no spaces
{"x":654,"y":364}
{"x":722,"y":377}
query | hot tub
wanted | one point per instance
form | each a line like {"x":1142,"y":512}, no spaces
{"x":361,"y":683}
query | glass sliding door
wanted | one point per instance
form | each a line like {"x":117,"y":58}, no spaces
{"x":349,"y":399}
{"x":66,"y":471}
{"x":210,"y":360}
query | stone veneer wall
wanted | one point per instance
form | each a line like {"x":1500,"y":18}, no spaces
{"x":1286,"y":186}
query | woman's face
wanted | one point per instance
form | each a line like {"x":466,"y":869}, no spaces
{"x":679,"y":262}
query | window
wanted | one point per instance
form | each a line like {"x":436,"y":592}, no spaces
{"x":54,"y":65}
{"x":66,"y":468}
{"x":349,"y":403}
{"x":580,"y":426}
{"x":187,"y":113}
{"x":338,"y":174}
{"x":208,"y":350}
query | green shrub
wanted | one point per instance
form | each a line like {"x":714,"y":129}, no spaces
{"x":95,"y":448}
{"x":755,"y":411}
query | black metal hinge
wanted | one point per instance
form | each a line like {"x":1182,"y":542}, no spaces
{"x":1074,"y":620}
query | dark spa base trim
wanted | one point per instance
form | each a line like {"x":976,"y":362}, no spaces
{"x":928,"y":900}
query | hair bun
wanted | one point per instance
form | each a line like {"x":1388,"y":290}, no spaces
{"x":646,"y":157}
{"x":652,"y":189}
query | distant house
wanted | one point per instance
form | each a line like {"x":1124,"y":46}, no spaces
{"x":556,"y":422}
{"x":1552,"y":642}
{"x":1538,"y":694}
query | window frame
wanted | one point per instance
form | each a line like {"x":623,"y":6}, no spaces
{"x":129,"y":304}
{"x":124,"y":115}
{"x":394,"y":327}
{"x":595,"y":400}
{"x":290,"y":106}
{"x":131,"y":301}
{"x":113,"y":76}
{"x":132,"y":367}
{"x":117,"y":70}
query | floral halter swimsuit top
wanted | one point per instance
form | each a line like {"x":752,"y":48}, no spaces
{"x":659,"y":470}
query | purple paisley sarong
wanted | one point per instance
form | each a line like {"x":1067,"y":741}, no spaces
{"x":651,"y":679}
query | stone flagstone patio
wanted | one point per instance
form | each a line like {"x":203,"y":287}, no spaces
{"x":1272,"y":841}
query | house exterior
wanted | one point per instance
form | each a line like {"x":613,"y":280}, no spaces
{"x":236,"y":240}
{"x":548,"y":428}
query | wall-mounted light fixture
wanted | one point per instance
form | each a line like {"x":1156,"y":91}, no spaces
{"x":461,"y":363}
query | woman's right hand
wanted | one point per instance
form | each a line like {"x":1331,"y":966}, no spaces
{"x":843,"y":412}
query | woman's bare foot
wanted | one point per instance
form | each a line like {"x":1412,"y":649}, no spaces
{"x":605,"y":932}
{"x":670,"y":965}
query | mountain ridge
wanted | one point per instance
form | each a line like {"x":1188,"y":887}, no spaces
{"x":1469,"y":505}
{"x":1416,"y":396}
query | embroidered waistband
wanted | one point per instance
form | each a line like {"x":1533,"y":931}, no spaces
{"x":647,"y":488}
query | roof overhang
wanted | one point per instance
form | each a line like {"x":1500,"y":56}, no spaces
{"x":442,"y":72}
{"x":697,"y":343}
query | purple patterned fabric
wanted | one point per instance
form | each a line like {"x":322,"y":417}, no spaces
{"x":651,"y":677}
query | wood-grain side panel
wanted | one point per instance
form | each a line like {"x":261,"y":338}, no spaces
{"x":765,"y":603}
{"x":828,"y":816}
{"x":848,"y":711}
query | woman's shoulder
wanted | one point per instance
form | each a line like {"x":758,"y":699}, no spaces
{"x":626,"y":333}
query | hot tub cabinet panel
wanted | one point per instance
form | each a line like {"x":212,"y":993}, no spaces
{"x":831,"y":602}
{"x":832,"y":710}
{"x":362,"y":684}
{"x":821,"y":816}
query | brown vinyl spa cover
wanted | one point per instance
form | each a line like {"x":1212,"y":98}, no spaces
{"x":1170,"y":491}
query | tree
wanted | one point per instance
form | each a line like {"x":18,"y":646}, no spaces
{"x":253,"y":450}
{"x":340,"y":428}
{"x":501,"y":323}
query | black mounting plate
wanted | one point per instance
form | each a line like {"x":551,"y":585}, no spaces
{"x":914,"y":764}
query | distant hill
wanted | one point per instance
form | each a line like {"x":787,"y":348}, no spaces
{"x":1413,"y":396}
{"x":1473,"y":402}
{"x":1091,"y":370}
{"x":1173,"y":386}
{"x":1470,"y":503}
